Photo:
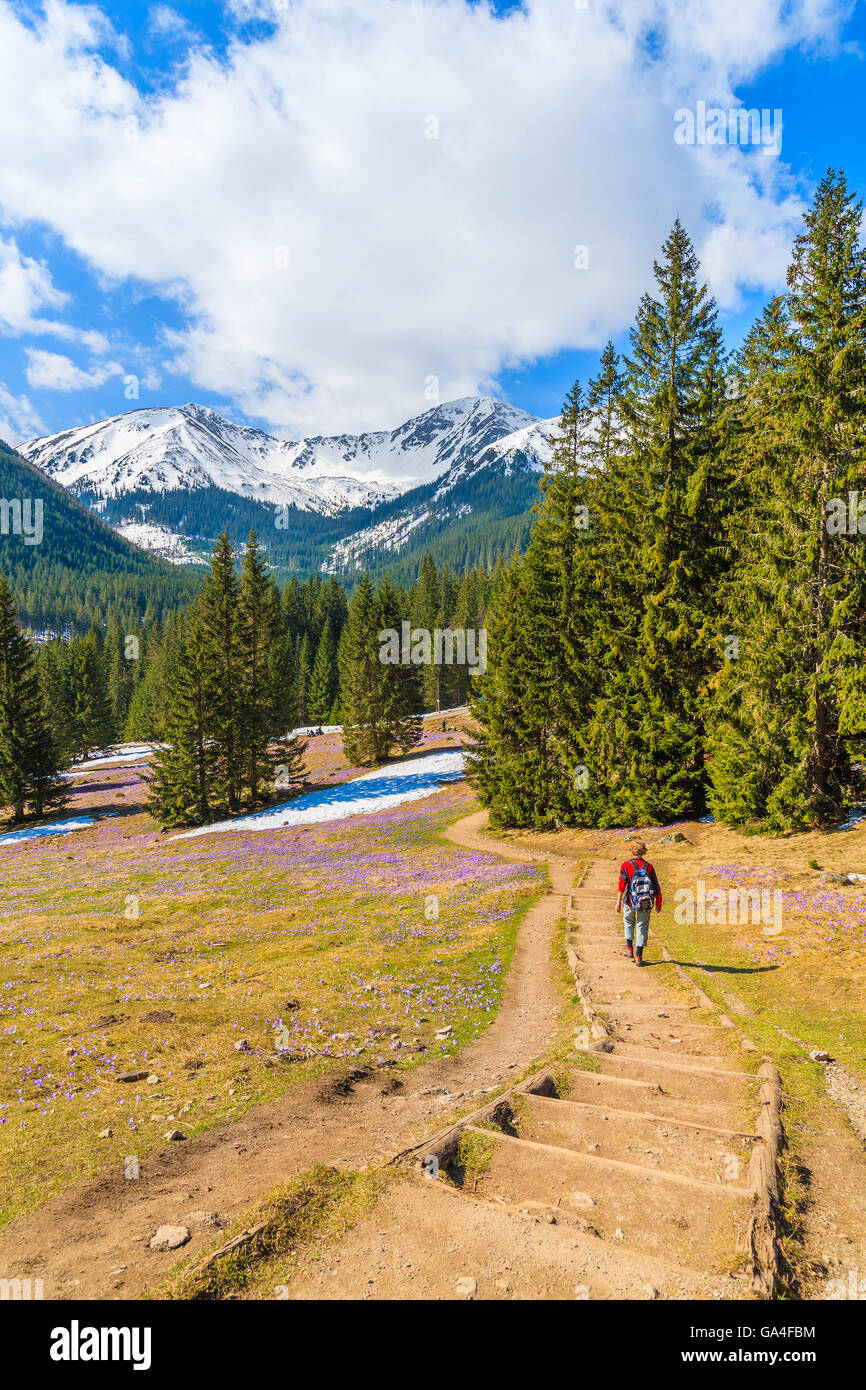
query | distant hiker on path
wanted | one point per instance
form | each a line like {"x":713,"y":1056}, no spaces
{"x":639,"y":887}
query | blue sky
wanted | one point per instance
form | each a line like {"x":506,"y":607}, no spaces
{"x":324,"y":215}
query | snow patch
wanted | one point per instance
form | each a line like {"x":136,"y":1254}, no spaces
{"x":60,"y":827}
{"x":374,"y":791}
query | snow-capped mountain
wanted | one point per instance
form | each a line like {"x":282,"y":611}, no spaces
{"x":460,"y":492}
{"x":190,"y":447}
{"x":184,"y":448}
{"x":161,"y":477}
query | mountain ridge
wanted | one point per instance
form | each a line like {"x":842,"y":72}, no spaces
{"x":170,"y":477}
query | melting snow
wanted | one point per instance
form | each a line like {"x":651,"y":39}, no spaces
{"x":374,"y":791}
{"x":58,"y":827}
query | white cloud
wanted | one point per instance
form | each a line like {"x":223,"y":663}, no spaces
{"x":167,"y":23}
{"x":330,"y":257}
{"x":18,"y":418}
{"x":26,"y":288}
{"x":52,"y":371}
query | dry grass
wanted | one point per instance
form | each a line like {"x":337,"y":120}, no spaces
{"x":360,"y":939}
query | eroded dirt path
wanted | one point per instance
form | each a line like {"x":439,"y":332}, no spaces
{"x":624,"y":1172}
{"x":92,"y":1241}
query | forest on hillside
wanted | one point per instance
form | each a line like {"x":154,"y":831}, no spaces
{"x":686,"y":633}
{"x":226,"y":678}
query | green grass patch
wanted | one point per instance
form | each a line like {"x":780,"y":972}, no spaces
{"x":319,"y":1205}
{"x":256,"y":962}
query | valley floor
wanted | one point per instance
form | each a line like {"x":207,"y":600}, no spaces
{"x":409,"y":980}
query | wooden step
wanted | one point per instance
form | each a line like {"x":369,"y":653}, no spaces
{"x":696,"y":1224}
{"x":623,"y":1093}
{"x":678,"y":1080}
{"x":423,"y":1237}
{"x":664,"y":1050}
{"x":635,"y":1137}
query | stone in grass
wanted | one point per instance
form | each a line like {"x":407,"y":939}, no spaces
{"x":132,"y":1076}
{"x":818,"y":1055}
{"x":173,"y":1134}
{"x":170,"y":1238}
{"x":242,"y":1046}
{"x":153,"y":1080}
{"x":466,"y":1288}
{"x":106,"y":1133}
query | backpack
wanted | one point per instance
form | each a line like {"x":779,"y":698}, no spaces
{"x":641,"y":894}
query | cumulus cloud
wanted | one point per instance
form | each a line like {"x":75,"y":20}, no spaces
{"x":372,"y":195}
{"x":18,"y":418}
{"x":52,"y":371}
{"x":27,"y":288}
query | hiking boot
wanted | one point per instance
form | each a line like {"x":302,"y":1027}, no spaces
{"x":629,"y":951}
{"x":638,"y":956}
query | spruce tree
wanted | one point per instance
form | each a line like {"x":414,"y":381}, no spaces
{"x":529,"y":766}
{"x":796,"y":600}
{"x":52,"y":662}
{"x":401,"y":687}
{"x":183,"y":772}
{"x":220,"y":652}
{"x":379,"y":699}
{"x":427,"y":613}
{"x":361,"y":679}
{"x":148,"y":705}
{"x":259,"y":632}
{"x":29,"y":760}
{"x":120,"y":669}
{"x":303,"y":664}
{"x":90,"y":714}
{"x":325,"y":677}
{"x":662,"y":499}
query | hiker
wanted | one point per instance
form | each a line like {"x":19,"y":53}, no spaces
{"x":639,"y":886}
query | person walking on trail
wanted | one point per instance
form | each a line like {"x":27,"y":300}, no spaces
{"x":639,"y":888}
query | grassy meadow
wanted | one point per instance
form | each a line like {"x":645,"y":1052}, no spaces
{"x":229,"y":966}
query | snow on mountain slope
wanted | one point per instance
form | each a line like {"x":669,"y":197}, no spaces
{"x":528,"y":445}
{"x":190,"y":447}
{"x":530,"y":442}
{"x":160,"y":541}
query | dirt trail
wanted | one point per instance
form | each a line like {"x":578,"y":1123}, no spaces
{"x":621,"y":1175}
{"x":624,"y":1173}
{"x":92,"y":1241}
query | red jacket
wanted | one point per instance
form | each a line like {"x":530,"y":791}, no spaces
{"x":626,"y":872}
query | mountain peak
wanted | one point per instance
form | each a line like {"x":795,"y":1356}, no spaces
{"x":188,"y":447}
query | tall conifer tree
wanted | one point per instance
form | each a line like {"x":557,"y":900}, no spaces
{"x":796,"y":601}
